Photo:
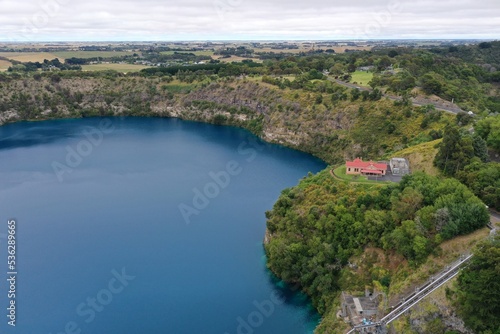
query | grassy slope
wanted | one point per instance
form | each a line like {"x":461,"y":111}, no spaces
{"x":421,"y":157}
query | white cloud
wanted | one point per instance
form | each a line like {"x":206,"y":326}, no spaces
{"x":109,"y":20}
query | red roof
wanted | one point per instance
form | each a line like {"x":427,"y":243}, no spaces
{"x":358,"y":163}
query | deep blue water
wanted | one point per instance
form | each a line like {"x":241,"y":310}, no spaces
{"x":115,"y":212}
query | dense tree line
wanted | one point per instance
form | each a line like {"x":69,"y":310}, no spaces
{"x":222,"y":69}
{"x":46,"y":65}
{"x":464,"y":155}
{"x":477,"y":296}
{"x":317,"y":226}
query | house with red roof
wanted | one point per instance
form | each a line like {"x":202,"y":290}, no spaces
{"x":360,"y":167}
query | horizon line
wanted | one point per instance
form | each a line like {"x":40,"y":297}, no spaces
{"x":252,"y":40}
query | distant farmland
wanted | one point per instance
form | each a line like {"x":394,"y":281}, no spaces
{"x":61,"y":55}
{"x":116,"y":67}
{"x":30,"y":56}
{"x":92,"y":54}
{"x":4,"y":65}
{"x":235,"y":59}
{"x":196,"y":53}
{"x":337,"y":49}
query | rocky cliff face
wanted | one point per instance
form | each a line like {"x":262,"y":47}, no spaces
{"x":332,"y":131}
{"x":433,"y":315}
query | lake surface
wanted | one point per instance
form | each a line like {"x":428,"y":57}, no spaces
{"x":135,"y":225}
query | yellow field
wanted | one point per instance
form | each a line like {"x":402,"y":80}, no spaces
{"x":4,"y":65}
{"x":92,"y":54}
{"x":115,"y":67}
{"x":30,"y":56}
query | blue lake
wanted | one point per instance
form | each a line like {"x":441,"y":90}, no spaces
{"x":136,"y":225}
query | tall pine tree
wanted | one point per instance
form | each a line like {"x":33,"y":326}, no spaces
{"x":455,"y":151}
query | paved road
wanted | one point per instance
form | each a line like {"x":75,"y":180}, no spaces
{"x":453,"y":109}
{"x":495,"y":216}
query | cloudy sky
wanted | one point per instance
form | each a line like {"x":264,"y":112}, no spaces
{"x":141,"y":20}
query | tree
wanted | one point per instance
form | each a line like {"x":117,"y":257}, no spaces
{"x":485,"y":45}
{"x":493,"y":139}
{"x":355,"y":94}
{"x":338,"y":69}
{"x":431,"y":85}
{"x":383,"y":62}
{"x":463,"y":118}
{"x":480,"y":148}
{"x":408,"y":202}
{"x":393,"y":53}
{"x":484,"y":180}
{"x":489,"y":129}
{"x":455,"y":151}
{"x":478,"y":297}
{"x":319,"y":99}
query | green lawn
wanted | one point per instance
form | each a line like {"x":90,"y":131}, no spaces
{"x":92,"y":54}
{"x":115,"y":67}
{"x":362,"y":78}
{"x":178,"y":87}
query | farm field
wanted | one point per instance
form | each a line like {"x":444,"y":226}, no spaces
{"x":4,"y":65}
{"x":30,"y":56}
{"x":235,"y":59}
{"x":197,"y":53}
{"x":92,"y":54}
{"x":115,"y":67}
{"x":337,"y":49}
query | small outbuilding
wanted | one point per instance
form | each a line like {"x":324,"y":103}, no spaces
{"x":399,"y":166}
